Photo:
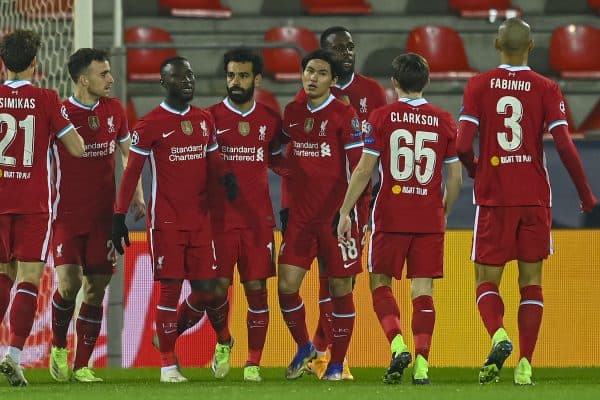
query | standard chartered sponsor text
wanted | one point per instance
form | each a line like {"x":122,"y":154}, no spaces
{"x":187,"y":153}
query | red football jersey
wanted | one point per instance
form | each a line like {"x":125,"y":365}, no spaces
{"x":30,"y":119}
{"x":319,"y":139}
{"x":413,"y":139}
{"x":512,"y":106}
{"x":246,"y":140}
{"x":176,"y":143}
{"x":86,"y":186}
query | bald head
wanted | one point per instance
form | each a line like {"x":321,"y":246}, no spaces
{"x":514,"y":37}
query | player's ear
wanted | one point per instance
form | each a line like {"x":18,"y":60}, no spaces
{"x":257,"y":80}
{"x":497,"y":44}
{"x":33,"y":63}
{"x":531,"y":45}
{"x":395,"y":83}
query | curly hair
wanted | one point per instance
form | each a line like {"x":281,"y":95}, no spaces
{"x":19,"y":48}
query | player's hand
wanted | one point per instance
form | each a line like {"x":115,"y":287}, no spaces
{"x":343,"y":228}
{"x":587,"y":205}
{"x":229,"y":180}
{"x":138,"y":207}
{"x":120,"y":233}
{"x":283,"y":217}
{"x":472,"y":171}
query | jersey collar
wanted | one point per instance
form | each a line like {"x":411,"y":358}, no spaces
{"x":166,"y":107}
{"x":320,"y":106}
{"x":229,"y":105}
{"x":16,"y":84}
{"x":413,"y":102}
{"x":514,"y":68}
{"x":347,"y":84}
{"x":79,"y":104}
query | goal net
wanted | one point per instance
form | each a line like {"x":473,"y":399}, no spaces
{"x":52,"y":19}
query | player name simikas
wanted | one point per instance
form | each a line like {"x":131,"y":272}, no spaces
{"x":16,"y":102}
{"x":413,"y":118}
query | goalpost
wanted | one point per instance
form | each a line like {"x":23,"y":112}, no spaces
{"x":64,"y":25}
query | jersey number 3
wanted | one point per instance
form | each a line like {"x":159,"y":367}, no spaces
{"x":513,"y":141}
{"x":10,"y":128}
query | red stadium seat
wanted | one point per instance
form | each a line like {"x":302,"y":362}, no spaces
{"x":592,"y":121}
{"x":574,"y":51}
{"x":284,"y":63}
{"x":144,"y":64}
{"x":267,"y":98}
{"x":131,"y":113}
{"x":444,"y":50}
{"x":45,"y":9}
{"x":322,"y":7}
{"x":481,"y":8}
{"x":195,"y":8}
{"x":594,"y":5}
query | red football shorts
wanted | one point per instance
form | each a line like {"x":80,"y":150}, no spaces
{"x":302,"y":243}
{"x":182,"y":254}
{"x":503,"y":234}
{"x":422,"y":252}
{"x":250,"y":248}
{"x":24,"y":237}
{"x":90,"y":248}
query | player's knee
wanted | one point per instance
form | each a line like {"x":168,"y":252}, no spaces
{"x":204,"y":285}
{"x":287,"y":283}
{"x":339,"y":287}
{"x":255,"y":285}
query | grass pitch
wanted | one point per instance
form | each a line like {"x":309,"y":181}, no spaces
{"x":447,"y":384}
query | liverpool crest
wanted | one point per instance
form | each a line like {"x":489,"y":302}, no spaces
{"x":187,"y":127}
{"x":244,"y":128}
{"x":93,"y":122}
{"x":308,"y":124}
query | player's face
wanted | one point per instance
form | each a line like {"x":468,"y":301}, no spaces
{"x":317,"y":79}
{"x":342,"y":45}
{"x":240,"y":82}
{"x":179,"y":80}
{"x":99,"y":78}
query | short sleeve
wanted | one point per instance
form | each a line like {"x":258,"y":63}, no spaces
{"x":451,"y":131}
{"x":555,"y":111}
{"x":470,"y":107}
{"x":212,"y":144}
{"x":141,"y":138}
{"x":123,"y":133}
{"x":60,"y":124}
{"x":276,"y":140}
{"x":372,"y":132}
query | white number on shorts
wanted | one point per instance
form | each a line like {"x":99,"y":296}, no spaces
{"x":406,"y":162}
{"x":28,"y":125}
{"x":511,"y":122}
{"x":349,"y":250}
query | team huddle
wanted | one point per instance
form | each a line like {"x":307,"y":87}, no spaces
{"x":210,"y":209}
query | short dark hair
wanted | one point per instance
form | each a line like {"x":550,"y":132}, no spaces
{"x":244,"y":54}
{"x":327,"y":56}
{"x":19,"y":48}
{"x":330,"y":31}
{"x":411,"y":71}
{"x":81,"y":60}
{"x":172,"y":60}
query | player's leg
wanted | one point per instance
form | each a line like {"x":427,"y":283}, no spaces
{"x":8,"y":269}
{"x":343,"y":263}
{"x":31,"y":239}
{"x":295,"y":256}
{"x":89,"y":323}
{"x":387,"y":252}
{"x":168,"y":254}
{"x":425,"y":262}
{"x":63,"y":305}
{"x":535,"y":245}
{"x":322,"y":336}
{"x":492,"y":248}
{"x":256,"y":264}
{"x":423,"y":321}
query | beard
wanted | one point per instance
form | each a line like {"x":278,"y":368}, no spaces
{"x":240,"y":98}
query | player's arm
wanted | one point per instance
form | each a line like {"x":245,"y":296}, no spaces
{"x":464,"y":145}
{"x":358,"y":182}
{"x":452,"y":185}
{"x":570,"y":158}
{"x":138,"y":205}
{"x":72,"y":141}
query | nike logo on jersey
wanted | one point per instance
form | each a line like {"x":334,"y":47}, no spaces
{"x":215,"y":267}
{"x":294,"y":124}
{"x":346,"y":266}
{"x":219,"y":131}
{"x":167,"y":134}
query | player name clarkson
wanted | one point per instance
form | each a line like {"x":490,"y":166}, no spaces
{"x":412,"y":118}
{"x":17,"y":102}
